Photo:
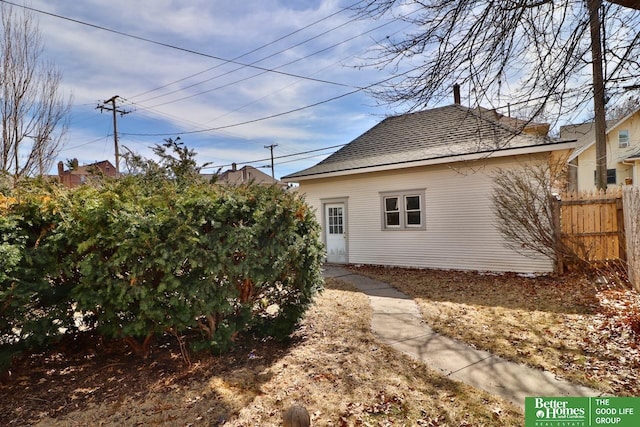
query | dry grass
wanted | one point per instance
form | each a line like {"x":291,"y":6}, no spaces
{"x":558,"y":324}
{"x":334,"y":367}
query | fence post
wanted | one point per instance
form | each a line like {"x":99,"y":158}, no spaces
{"x":631,"y":207}
{"x":557,"y":232}
{"x":622,"y":245}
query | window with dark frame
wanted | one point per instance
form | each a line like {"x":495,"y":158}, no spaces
{"x":611,"y":176}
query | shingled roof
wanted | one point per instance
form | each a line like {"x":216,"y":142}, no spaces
{"x":441,"y":133}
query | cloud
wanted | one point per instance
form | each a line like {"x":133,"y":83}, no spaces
{"x":98,"y":64}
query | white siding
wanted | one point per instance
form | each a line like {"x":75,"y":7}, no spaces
{"x":460,"y":231}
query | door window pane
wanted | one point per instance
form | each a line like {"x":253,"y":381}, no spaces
{"x":335,"y":221}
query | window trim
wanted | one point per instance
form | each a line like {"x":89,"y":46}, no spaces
{"x":402,"y":209}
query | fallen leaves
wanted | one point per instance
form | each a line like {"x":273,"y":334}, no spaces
{"x":614,"y":335}
{"x":582,"y":330}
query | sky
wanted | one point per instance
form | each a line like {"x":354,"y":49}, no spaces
{"x":228,"y":77}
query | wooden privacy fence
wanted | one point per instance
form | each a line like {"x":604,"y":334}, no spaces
{"x":591,"y":224}
{"x":631,"y":203}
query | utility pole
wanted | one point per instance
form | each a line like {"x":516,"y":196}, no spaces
{"x":115,"y":110}
{"x":598,"y":94}
{"x":271,"y":147}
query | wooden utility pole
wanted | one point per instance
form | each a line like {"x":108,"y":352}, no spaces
{"x":598,"y":94}
{"x":271,"y":147}
{"x":115,"y":110}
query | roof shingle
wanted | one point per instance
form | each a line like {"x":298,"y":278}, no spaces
{"x":448,"y":131}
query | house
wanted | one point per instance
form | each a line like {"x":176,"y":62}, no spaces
{"x":623,"y":152}
{"x":526,"y":126}
{"x":78,"y":175}
{"x":245,"y":175}
{"x":416,"y":191}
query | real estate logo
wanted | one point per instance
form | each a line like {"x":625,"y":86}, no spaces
{"x":559,"y":412}
{"x":582,"y":411}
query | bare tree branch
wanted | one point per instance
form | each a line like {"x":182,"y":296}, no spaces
{"x":531,"y":53}
{"x":523,"y":202}
{"x":633,"y":4}
{"x":33,"y":111}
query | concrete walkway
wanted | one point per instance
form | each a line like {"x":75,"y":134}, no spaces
{"x":397,"y":322}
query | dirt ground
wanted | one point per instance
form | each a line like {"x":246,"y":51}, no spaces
{"x":334,"y":366}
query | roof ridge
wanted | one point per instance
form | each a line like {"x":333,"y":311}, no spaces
{"x":447,"y":131}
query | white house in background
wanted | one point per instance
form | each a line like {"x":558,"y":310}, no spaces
{"x":415,"y":191}
{"x":623,"y":153}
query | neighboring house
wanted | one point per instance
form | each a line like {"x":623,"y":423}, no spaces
{"x":416,"y":191}
{"x":528,"y":127}
{"x":78,"y":175}
{"x":245,"y":175}
{"x":623,"y":153}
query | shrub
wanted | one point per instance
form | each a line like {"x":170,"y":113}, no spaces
{"x":217,"y":261}
{"x":154,"y":253}
{"x":35,"y":307}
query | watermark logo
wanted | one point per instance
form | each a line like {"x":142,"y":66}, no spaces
{"x":582,"y":411}
{"x":559,"y":412}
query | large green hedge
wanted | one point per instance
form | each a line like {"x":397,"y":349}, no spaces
{"x":134,"y":258}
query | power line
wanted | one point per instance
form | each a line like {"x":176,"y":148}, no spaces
{"x":263,"y":72}
{"x":299,"y":159}
{"x":86,"y":143}
{"x":151,"y":114}
{"x":357,"y":89}
{"x":151,"y":108}
{"x":272,"y":116}
{"x":255,"y":49}
{"x":170,"y":46}
{"x":276,"y":157}
{"x":241,"y":67}
{"x":284,"y":113}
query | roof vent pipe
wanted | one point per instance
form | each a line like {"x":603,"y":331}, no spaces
{"x":456,"y":94}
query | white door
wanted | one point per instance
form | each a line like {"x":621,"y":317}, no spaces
{"x":335,"y":232}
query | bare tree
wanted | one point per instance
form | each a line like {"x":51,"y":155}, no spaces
{"x":33,"y":111}
{"x":523,"y":52}
{"x":524,"y":201}
{"x":627,"y":106}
